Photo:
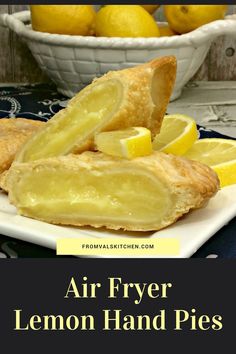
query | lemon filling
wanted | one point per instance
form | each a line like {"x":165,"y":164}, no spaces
{"x":92,"y":195}
{"x":60,"y":135}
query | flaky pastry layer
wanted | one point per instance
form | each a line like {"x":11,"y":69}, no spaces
{"x":13,"y":134}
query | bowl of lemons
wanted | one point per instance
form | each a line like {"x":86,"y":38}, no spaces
{"x":74,"y":44}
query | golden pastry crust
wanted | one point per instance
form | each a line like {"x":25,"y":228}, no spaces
{"x":186,"y":184}
{"x":146,"y":93}
{"x":13,"y":134}
{"x":143,"y":94}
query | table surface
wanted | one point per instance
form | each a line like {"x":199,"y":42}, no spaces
{"x":212,"y":104}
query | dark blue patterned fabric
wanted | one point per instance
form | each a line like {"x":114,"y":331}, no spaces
{"x":41,"y":102}
{"x":30,"y":101}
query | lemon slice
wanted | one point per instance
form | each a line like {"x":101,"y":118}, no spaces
{"x":219,"y":154}
{"x":177,"y":135}
{"x":128,"y":143}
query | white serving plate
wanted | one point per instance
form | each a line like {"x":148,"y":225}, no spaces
{"x":192,"y":231}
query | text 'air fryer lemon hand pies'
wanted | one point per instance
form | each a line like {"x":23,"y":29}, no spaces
{"x":146,"y":193}
{"x":13,"y":134}
{"x":136,"y":96}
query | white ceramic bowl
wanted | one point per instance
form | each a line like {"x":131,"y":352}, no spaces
{"x":73,"y":61}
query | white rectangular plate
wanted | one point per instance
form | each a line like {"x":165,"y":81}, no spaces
{"x":193,"y":230}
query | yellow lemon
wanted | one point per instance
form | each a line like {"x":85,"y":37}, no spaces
{"x":219,"y":154}
{"x":63,"y":19}
{"x":125,"y":21}
{"x":150,"y":8}
{"x":166,"y":31}
{"x":177,"y":135}
{"x":128,"y":143}
{"x":186,"y":18}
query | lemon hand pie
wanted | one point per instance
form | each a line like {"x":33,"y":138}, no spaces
{"x":136,"y":96}
{"x":13,"y":134}
{"x":146,"y":193}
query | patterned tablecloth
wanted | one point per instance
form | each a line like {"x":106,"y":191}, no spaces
{"x":41,"y":102}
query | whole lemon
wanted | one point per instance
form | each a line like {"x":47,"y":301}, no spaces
{"x":166,"y":31}
{"x":150,"y":8}
{"x":63,"y":19}
{"x":125,"y":21}
{"x":186,"y":18}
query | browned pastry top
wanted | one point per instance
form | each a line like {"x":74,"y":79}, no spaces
{"x":13,"y":133}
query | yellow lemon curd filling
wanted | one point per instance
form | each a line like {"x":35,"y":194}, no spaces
{"x":116,"y":195}
{"x":81,"y":120}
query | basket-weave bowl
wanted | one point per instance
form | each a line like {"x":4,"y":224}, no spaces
{"x":73,"y":61}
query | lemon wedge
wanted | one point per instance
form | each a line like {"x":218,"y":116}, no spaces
{"x":128,"y":143}
{"x":219,"y":154}
{"x":177,"y":135}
